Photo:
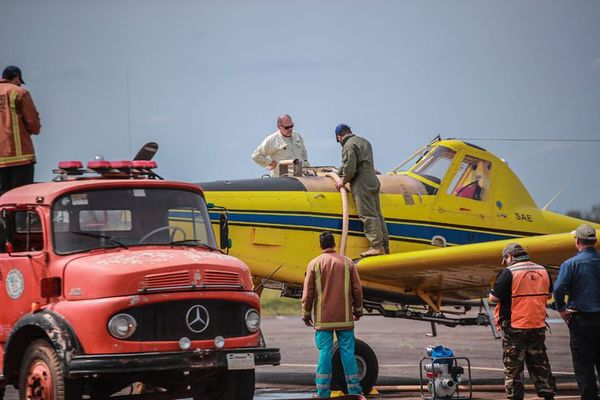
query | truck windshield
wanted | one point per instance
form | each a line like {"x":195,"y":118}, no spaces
{"x":125,"y":217}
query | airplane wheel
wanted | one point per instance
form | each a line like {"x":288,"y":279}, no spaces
{"x":368,"y":367}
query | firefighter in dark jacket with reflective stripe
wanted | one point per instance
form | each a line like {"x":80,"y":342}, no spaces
{"x":521,"y":291}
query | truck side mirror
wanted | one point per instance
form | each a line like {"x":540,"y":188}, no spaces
{"x":225,"y":242}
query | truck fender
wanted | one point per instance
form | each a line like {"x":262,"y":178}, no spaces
{"x":43,"y":324}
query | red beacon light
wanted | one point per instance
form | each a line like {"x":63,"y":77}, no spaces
{"x":123,"y":169}
{"x":97,"y":165}
{"x":143,"y":164}
{"x":69,"y":165}
{"x":72,"y":167}
{"x":120,"y":164}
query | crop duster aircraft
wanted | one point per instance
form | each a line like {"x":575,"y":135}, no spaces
{"x":450,"y":209}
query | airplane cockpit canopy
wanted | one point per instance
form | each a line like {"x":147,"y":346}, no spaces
{"x":430,"y":166}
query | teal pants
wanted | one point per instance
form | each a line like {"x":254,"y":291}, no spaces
{"x":324,"y":340}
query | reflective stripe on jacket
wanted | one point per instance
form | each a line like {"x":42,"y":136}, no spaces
{"x":19,"y":119}
{"x":332,"y":291}
{"x":530,"y":290}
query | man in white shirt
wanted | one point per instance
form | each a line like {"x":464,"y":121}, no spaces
{"x":283,"y":144}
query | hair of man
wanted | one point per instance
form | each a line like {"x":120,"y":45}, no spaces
{"x":281,"y":118}
{"x":326,"y":240}
{"x":586,"y":242}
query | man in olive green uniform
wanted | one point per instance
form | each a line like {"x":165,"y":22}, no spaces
{"x":358,"y":169}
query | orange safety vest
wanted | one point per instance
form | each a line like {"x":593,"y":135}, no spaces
{"x":530,"y":290}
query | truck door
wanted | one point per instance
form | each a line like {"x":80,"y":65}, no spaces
{"x":22,"y":265}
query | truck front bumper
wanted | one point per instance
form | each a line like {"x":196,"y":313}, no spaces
{"x":131,"y":363}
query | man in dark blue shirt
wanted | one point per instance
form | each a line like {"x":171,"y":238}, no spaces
{"x":579,"y":279}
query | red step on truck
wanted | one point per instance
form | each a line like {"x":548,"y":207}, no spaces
{"x":112,"y":280}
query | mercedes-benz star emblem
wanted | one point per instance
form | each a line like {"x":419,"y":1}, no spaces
{"x":197,"y":318}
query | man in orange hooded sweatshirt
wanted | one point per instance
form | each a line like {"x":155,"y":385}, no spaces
{"x":19,"y":119}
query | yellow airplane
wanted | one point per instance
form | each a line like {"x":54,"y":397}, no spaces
{"x":450,"y":209}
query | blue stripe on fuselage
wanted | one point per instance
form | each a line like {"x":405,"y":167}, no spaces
{"x":395,"y":229}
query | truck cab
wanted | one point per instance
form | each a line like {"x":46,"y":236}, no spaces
{"x":115,"y":279}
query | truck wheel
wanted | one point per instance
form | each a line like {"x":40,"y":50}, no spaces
{"x":41,"y":376}
{"x":227,"y":385}
{"x":368,"y":367}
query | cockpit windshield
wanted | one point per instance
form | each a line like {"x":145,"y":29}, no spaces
{"x":84,"y":221}
{"x":410,"y":161}
{"x":434,"y":164}
{"x":429,"y":165}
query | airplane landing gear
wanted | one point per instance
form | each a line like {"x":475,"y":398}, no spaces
{"x":368,"y":367}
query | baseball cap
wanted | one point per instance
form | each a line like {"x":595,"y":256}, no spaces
{"x":341,"y":128}
{"x":515,"y":250}
{"x":585,"y":232}
{"x":11,"y":72}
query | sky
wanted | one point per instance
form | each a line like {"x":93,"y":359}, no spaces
{"x":207,"y":79}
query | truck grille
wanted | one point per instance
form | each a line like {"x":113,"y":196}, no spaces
{"x":210,"y":279}
{"x":167,"y":280}
{"x":221,"y":278}
{"x":171,"y":321}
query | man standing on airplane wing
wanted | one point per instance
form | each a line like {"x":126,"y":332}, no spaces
{"x":358,"y":169}
{"x":332,"y":289}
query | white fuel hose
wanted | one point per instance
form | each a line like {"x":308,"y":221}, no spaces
{"x":345,"y":216}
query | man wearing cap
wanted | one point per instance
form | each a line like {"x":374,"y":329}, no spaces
{"x":19,"y":119}
{"x":579,"y":279}
{"x":358,"y":169}
{"x":521,"y":291}
{"x":283,"y":144}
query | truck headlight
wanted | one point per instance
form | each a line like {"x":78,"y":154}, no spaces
{"x":252,"y":320}
{"x":122,"y":326}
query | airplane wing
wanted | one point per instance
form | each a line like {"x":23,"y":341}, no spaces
{"x":460,"y":272}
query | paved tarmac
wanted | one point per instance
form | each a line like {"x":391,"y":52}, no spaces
{"x":399,"y":345}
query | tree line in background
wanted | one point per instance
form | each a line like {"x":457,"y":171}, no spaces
{"x":592,"y":215}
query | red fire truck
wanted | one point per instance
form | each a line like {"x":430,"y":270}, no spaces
{"x":115,"y":279}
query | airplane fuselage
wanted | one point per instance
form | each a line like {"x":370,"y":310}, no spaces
{"x":276,"y":221}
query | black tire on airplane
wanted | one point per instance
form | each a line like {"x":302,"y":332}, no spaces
{"x":368,"y":367}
